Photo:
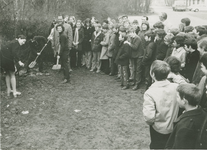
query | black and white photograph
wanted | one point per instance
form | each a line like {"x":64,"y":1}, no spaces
{"x":103,"y":74}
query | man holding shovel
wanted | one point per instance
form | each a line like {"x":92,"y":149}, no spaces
{"x":54,"y":36}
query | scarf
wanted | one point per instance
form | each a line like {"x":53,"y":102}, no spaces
{"x":76,"y":36}
{"x":97,"y":34}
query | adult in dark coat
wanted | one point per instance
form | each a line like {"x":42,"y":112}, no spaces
{"x":8,"y":56}
{"x":72,"y":22}
{"x":64,"y":53}
{"x":78,"y":44}
{"x":87,"y":52}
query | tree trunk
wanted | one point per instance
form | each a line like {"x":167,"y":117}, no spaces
{"x":15,"y":17}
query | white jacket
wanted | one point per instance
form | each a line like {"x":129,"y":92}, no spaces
{"x":160,"y":107}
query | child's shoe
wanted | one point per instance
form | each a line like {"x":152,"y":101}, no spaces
{"x":16,"y":94}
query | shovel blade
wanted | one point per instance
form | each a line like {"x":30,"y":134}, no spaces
{"x":56,"y":67}
{"x":32,"y":64}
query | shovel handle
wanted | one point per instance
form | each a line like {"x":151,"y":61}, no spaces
{"x":57,"y":60}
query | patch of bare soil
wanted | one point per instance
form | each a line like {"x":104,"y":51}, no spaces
{"x":90,"y":113}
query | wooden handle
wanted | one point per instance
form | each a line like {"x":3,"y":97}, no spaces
{"x":57,"y":60}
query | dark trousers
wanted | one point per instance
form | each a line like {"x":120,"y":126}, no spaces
{"x":138,"y":71}
{"x":80,"y":55}
{"x":146,"y":76}
{"x":158,"y":140}
{"x":64,"y":64}
{"x":105,"y":66}
{"x":124,"y":75}
{"x":114,"y":67}
{"x":75,"y":58}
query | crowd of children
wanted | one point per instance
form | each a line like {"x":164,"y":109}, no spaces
{"x":167,"y":60}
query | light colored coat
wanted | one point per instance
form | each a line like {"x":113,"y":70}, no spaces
{"x":105,"y":44}
{"x":160,"y":107}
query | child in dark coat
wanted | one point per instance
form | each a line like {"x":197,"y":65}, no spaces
{"x":185,"y":132}
{"x":123,"y":57}
{"x":192,"y":58}
{"x":161,"y":47}
{"x":148,"y":56}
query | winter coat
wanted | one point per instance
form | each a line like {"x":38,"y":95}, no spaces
{"x":10,"y":54}
{"x":55,"y":37}
{"x":79,"y":47}
{"x":149,"y":53}
{"x":161,"y":50}
{"x":88,"y":32}
{"x":186,"y":130}
{"x":180,"y":53}
{"x":63,"y":43}
{"x":137,"y":47}
{"x":113,"y":45}
{"x":203,"y":89}
{"x":141,"y":35}
{"x":191,"y":62}
{"x":123,"y":55}
{"x":198,"y":74}
{"x":96,"y":40}
{"x":105,"y":44}
{"x":160,"y":107}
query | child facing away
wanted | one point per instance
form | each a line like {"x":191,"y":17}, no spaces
{"x":160,"y":108}
{"x":186,"y":131}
